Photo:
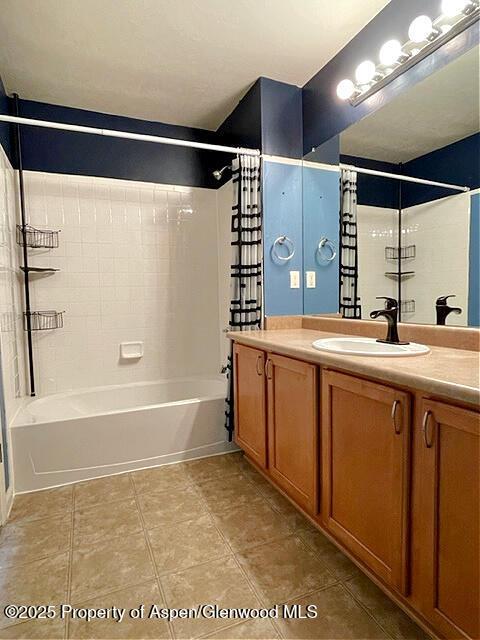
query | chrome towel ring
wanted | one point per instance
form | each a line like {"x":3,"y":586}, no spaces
{"x":326,"y":244}
{"x":283,"y":240}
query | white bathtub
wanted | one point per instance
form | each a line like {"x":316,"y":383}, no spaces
{"x":95,"y":432}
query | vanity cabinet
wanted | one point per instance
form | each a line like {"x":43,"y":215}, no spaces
{"x":249,"y":401}
{"x":292,"y":416}
{"x":449,"y":512}
{"x":365,"y":472}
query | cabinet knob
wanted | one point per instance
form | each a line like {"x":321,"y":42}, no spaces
{"x":397,"y":428}
{"x":259,"y":366}
{"x":427,"y":438}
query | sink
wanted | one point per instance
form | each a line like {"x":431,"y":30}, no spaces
{"x":369,"y":347}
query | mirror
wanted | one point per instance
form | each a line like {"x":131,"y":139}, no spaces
{"x":413,"y":242}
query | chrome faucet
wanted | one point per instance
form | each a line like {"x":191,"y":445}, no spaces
{"x":443,"y":310}
{"x":390,"y":312}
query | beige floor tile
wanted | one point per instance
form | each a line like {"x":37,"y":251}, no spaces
{"x":293,"y":516}
{"x":40,"y":582}
{"x":213,"y":467}
{"x":101,"y":490}
{"x":110,"y":565}
{"x":219,"y":582}
{"x":170,"y":506}
{"x":167,"y":478}
{"x":105,"y":521}
{"x":131,"y":598}
{"x":248,"y":630}
{"x":245,"y":526}
{"x":185,"y":544}
{"x":35,"y":629}
{"x":336,"y":562}
{"x":221,"y":494}
{"x":42,"y":504}
{"x":284,"y":570}
{"x":338,"y":617}
{"x":386,"y":612}
{"x":26,"y":540}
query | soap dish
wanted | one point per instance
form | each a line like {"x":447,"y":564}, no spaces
{"x":131,"y":350}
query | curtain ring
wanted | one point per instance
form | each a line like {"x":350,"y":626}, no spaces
{"x":326,"y":243}
{"x":284,"y":240}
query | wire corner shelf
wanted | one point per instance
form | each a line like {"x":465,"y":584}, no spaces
{"x":43,"y":320}
{"x":37,"y":238}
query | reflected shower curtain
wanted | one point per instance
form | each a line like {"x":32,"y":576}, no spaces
{"x":246,"y":264}
{"x":349,"y":300}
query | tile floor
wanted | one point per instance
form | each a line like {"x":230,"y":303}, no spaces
{"x":204,"y":531}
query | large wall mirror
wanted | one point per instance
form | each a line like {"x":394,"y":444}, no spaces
{"x":416,"y":243}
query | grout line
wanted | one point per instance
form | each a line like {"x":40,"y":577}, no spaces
{"x":70,"y":564}
{"x":367,"y":610}
{"x":152,"y":557}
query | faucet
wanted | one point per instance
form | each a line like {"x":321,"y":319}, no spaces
{"x":390,"y":312}
{"x":443,"y":310}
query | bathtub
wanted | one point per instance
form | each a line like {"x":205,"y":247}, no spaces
{"x":74,"y":436}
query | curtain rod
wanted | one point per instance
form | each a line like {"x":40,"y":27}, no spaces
{"x":112,"y":133}
{"x":397,"y":176}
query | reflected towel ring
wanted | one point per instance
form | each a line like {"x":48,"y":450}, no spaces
{"x":284,"y":240}
{"x":326,"y":243}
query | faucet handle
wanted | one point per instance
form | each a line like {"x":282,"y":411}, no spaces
{"x":442,"y":300}
{"x":390,"y":303}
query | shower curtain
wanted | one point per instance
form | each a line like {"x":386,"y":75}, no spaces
{"x":246,"y":264}
{"x":350,"y":306}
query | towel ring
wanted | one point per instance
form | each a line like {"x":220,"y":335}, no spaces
{"x":326,"y":243}
{"x":290,"y":247}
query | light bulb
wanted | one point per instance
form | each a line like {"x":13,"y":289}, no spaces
{"x":420,"y":29}
{"x":452,"y":8}
{"x":390,"y":52}
{"x":345,"y":89}
{"x":365,"y":72}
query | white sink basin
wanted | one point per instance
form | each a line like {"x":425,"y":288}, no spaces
{"x":369,"y":347}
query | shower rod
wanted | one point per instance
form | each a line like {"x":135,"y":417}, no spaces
{"x":112,"y":133}
{"x":398,"y":176}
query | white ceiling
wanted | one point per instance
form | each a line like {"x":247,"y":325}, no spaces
{"x":440,"y":110}
{"x":185,"y":62}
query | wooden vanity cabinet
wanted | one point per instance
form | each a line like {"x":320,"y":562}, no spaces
{"x":249,"y":401}
{"x":292,"y":416}
{"x":448,"y":516}
{"x":365,"y":472}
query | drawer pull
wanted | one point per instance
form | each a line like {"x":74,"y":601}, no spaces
{"x":394,"y":417}
{"x":268,"y":369}
{"x":428,"y":439}
{"x":259,"y":366}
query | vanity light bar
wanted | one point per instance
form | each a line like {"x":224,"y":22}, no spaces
{"x":425,"y":38}
{"x":112,"y":133}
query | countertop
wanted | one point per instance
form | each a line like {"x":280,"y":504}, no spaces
{"x":451,"y":373}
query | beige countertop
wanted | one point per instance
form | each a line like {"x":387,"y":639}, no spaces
{"x":451,"y":373}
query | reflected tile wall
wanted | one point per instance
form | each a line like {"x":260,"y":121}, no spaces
{"x":11,"y":331}
{"x":138,"y":261}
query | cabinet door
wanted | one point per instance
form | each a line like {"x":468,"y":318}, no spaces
{"x":365,"y":476}
{"x":449,"y":469}
{"x":293,"y":428}
{"x":249,"y":402}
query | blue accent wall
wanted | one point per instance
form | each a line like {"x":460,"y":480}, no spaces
{"x":243,"y":127}
{"x":321,"y":218}
{"x":73,"y":153}
{"x":474,"y":275}
{"x":282,"y":202}
{"x":325,"y":115}
{"x":282,"y":127}
{"x":375,"y":191}
{"x":457,"y":163}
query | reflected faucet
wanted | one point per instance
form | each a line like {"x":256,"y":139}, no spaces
{"x":443,"y":310}
{"x":390,"y":312}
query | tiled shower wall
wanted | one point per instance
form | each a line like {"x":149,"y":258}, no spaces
{"x":11,"y":331}
{"x":138,"y":261}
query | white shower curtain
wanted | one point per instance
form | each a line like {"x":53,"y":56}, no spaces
{"x":350,"y":306}
{"x":246,"y":264}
